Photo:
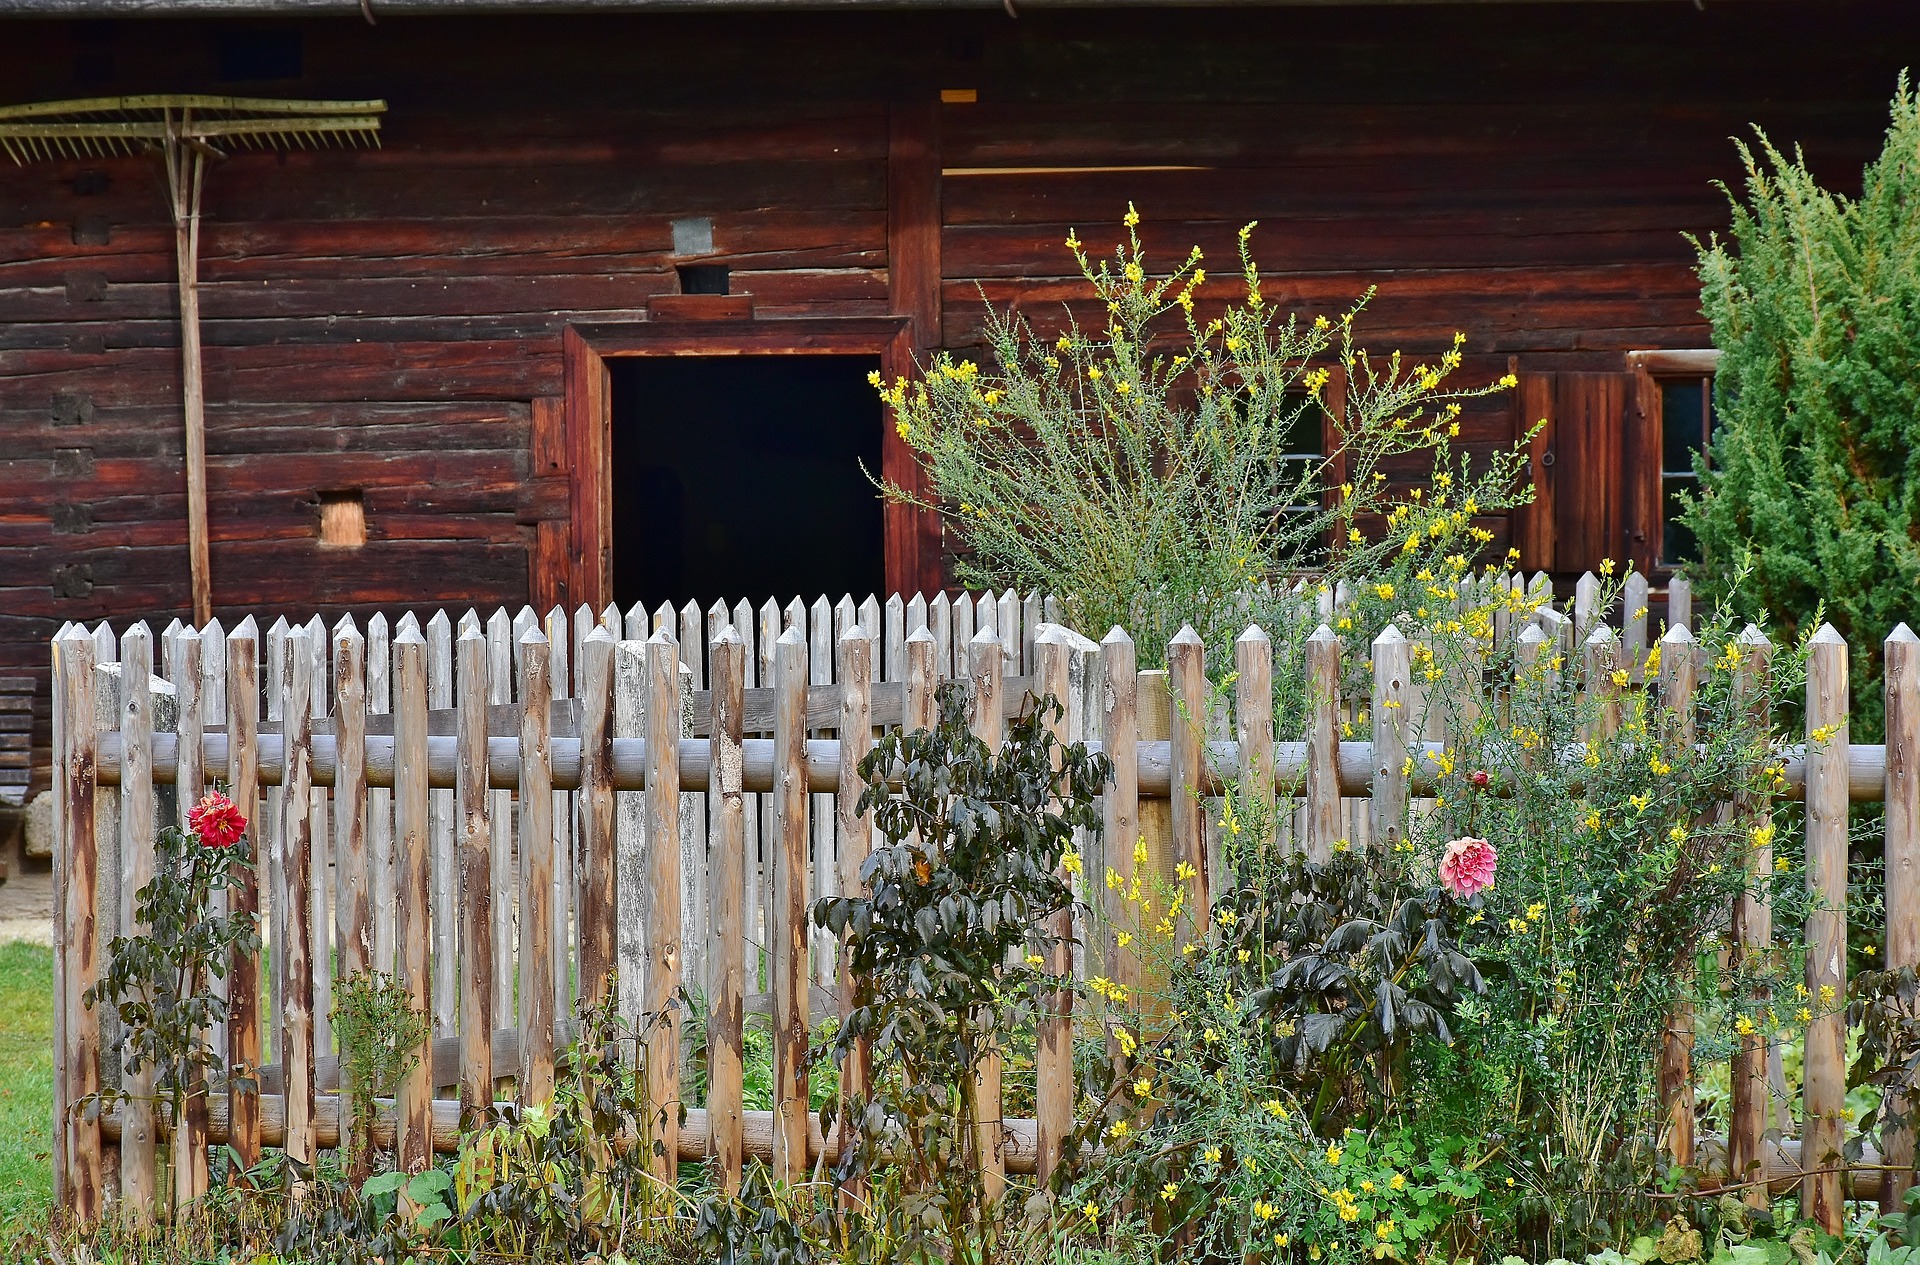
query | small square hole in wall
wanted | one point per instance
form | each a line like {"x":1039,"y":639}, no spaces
{"x":704,"y":279}
{"x":343,"y":519}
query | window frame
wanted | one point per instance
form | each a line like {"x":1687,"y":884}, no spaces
{"x":1645,"y":456}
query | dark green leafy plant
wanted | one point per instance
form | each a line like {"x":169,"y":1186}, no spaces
{"x":160,"y":981}
{"x":1814,"y":471}
{"x":380,"y":1033}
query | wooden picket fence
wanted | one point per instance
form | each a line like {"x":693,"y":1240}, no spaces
{"x":516,"y":815}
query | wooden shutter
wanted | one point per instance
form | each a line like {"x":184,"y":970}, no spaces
{"x":1578,"y":465}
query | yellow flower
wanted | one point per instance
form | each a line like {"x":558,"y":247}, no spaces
{"x":1826,"y":994}
{"x":1639,"y":802}
{"x":1762,"y":835}
{"x":1606,"y":566}
{"x":1227,"y":917}
{"x":1780,"y":865}
{"x":1620,"y":677}
{"x":1385,"y":591}
{"x":1384,"y":1229}
{"x":1211,"y":1155}
{"x":1092,"y":1210}
{"x":1805,"y":1015}
{"x":1118,"y":1129}
{"x":1245,"y":955}
{"x":1678,"y":834}
{"x":1034,"y":959}
{"x":1366,"y":1187}
{"x":1124,"y":939}
{"x":1168,"y":1191}
{"x":1185,"y":872}
{"x":1264,"y":1211}
{"x":1333,"y":1156}
{"x":1536,"y":911}
{"x":1281,"y":1240}
{"x":1744,"y":1026}
{"x":1142,"y":1087}
{"x":1397,"y":1182}
{"x":1353,"y":533}
{"x":1071,"y":862}
{"x":1113,"y":879}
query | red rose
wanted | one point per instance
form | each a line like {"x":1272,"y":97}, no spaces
{"x":1479,"y":777}
{"x":217,"y":822}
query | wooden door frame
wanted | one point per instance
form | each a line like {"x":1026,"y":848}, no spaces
{"x":911,"y":537}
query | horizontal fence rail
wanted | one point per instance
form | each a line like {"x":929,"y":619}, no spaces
{"x":521,"y":814}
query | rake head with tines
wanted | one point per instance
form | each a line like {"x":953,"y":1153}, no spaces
{"x":102,"y":127}
{"x":186,"y":131}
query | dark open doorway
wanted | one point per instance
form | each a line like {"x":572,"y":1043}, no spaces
{"x":740,"y":476}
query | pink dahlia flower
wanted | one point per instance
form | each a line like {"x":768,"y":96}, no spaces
{"x":1467,"y":867}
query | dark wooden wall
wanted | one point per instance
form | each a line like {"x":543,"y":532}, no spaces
{"x":393,"y":320}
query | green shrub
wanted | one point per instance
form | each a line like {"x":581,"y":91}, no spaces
{"x":1814,"y":471}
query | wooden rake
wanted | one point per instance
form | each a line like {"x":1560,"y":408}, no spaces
{"x":186,"y":131}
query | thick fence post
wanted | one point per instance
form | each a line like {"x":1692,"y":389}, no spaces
{"x":726,"y":1050}
{"x":664,"y":961}
{"x":1821,"y":1193}
{"x":1678,"y":678}
{"x":630,"y":832}
{"x":789,"y":923}
{"x":190,"y":1175}
{"x":1392,"y":670}
{"x":445,"y":881}
{"x":1902,"y":793}
{"x":76,"y":755}
{"x":537,"y":988}
{"x":475,"y":836}
{"x":987,"y":664}
{"x":380,"y":859}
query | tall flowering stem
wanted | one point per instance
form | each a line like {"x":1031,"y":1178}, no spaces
{"x":161,"y":981}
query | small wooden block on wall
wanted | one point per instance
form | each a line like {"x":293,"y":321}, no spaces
{"x":700,"y":307}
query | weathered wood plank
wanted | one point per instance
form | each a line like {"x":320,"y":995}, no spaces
{"x":726,"y":1051}
{"x":1752,"y":930}
{"x":1053,"y":1053}
{"x":380,"y":842}
{"x":244,"y":1054}
{"x":598,"y":951}
{"x":81,"y":1185}
{"x":536,"y":871}
{"x":1392,"y":675}
{"x":854,"y":667}
{"x":1323,"y":744}
{"x":444,"y":914}
{"x":1253,"y":725}
{"x":138,"y":1172}
{"x":1187,"y":678}
{"x":788,"y":924}
{"x":1826,"y":926}
{"x":986,"y":669}
{"x":190,"y":1175}
{"x":1678,"y":681}
{"x":476,"y":884}
{"x":664,"y":961}
{"x":296,"y":1052}
{"x":1120,"y":806}
{"x":413,"y":844}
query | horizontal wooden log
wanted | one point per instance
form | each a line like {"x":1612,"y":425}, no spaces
{"x":1866,"y":764}
{"x":695,"y":1131}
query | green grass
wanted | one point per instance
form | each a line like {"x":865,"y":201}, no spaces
{"x":26,"y":1082}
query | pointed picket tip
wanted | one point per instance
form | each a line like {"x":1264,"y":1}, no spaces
{"x":727,"y":636}
{"x":187,"y":632}
{"x":1390,"y":636}
{"x":1532,"y":635}
{"x":1255,"y":636}
{"x":439,"y":620}
{"x":856,"y":633}
{"x":250,"y":630}
{"x":345,"y":627}
{"x":600,"y":633}
{"x":662,"y":636}
{"x":469,"y":620}
{"x":922,"y":633}
{"x":138,"y":628}
{"x":1828,"y":635}
{"x":1185,"y":637}
{"x":1116,"y":636}
{"x":793,"y":636}
{"x":533,"y":636}
{"x":1901,"y":633}
{"x":1680,"y":634}
{"x":1752,"y":635}
{"x":499,"y":619}
{"x":1601,"y":636}
{"x":1324,"y":633}
{"x":408,"y":620}
{"x":472,"y":633}
{"x":278,"y":628}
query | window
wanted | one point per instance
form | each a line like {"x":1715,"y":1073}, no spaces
{"x":1670,"y":422}
{"x":1686,"y":423}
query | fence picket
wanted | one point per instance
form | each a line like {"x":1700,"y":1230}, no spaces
{"x":1902,"y":795}
{"x":1821,"y":1194}
{"x":1678,"y":679}
{"x":77,"y":1169}
{"x":597,"y":883}
{"x":537,"y":988}
{"x":1633,"y":625}
{"x":1120,"y":806}
{"x":413,"y":879}
{"x":1752,"y":930}
{"x":987,"y":663}
{"x":1053,"y":1042}
{"x":190,"y":1141}
{"x":1253,"y":724}
{"x":380,"y":858}
{"x":1187,"y":731}
{"x":665,"y":946}
{"x":138,"y":1132}
{"x":788,"y":924}
{"x":1323,"y":743}
{"x":296,"y":1053}
{"x":561,"y":943}
{"x":726,"y":1050}
{"x":476,"y":881}
{"x":854,"y":828}
{"x":244,"y":1053}
{"x":319,"y":851}
{"x":501,"y":879}
{"x":630,"y":832}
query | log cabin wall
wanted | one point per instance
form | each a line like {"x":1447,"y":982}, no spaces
{"x":392,"y":322}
